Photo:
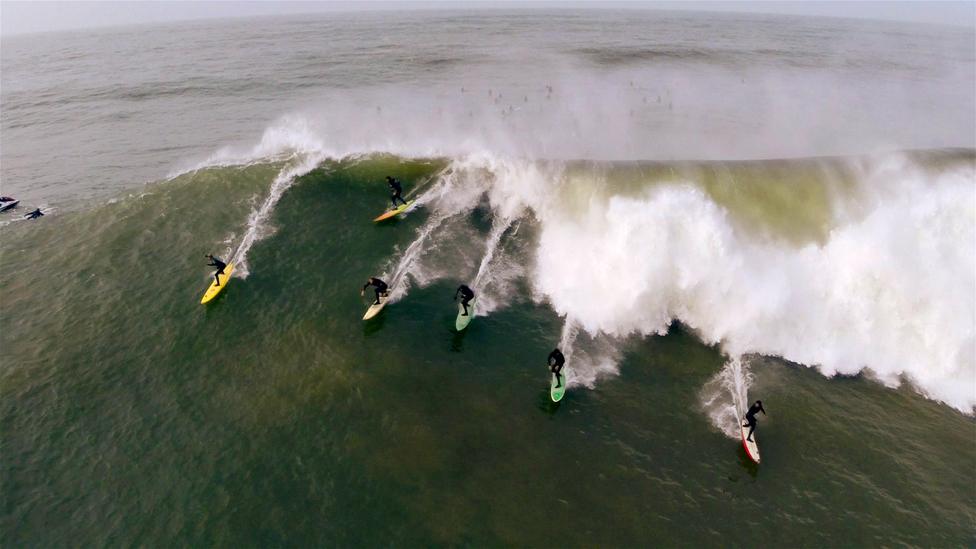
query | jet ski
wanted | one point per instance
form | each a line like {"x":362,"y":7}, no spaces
{"x":6,"y":203}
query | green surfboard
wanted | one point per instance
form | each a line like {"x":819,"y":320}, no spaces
{"x":463,"y":321}
{"x":557,"y":393}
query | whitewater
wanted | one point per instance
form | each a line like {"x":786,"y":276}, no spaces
{"x":889,"y":291}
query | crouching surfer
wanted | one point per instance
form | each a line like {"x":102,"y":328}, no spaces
{"x":378,"y":285}
{"x":750,"y":420}
{"x":214,"y":262}
{"x":467,"y":294}
{"x":556,"y":361}
{"x":396,"y":191}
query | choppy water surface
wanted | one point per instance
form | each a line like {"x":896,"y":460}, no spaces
{"x":700,"y":210}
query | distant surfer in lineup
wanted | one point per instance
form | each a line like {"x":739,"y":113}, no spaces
{"x":467,"y":294}
{"x":395,"y":190}
{"x":214,"y":262}
{"x":556,"y":361}
{"x":34,"y":214}
{"x":750,"y":420}
{"x":379,"y":286}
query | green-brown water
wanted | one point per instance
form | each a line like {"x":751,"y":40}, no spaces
{"x":132,"y":415}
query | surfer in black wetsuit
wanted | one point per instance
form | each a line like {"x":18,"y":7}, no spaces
{"x":214,"y":262}
{"x":467,"y":294}
{"x":556,"y":361}
{"x":34,"y":214}
{"x":750,"y":421}
{"x":395,"y":190}
{"x":379,"y":286}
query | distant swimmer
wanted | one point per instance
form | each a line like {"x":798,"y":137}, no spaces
{"x":214,"y":262}
{"x":395,"y":190}
{"x":34,"y":214}
{"x":556,"y":361}
{"x":750,"y":420}
{"x":467,"y":294}
{"x":378,"y":285}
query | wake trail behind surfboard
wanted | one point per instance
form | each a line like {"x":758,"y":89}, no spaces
{"x":447,"y":189}
{"x":256,"y":222}
{"x":726,"y":395}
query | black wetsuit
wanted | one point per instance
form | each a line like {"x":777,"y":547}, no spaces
{"x":214,"y":262}
{"x":34,"y":214}
{"x":396,"y":189}
{"x":379,"y":286}
{"x":556,"y":361}
{"x":751,"y":417}
{"x":467,"y":294}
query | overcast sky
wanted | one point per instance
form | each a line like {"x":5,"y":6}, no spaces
{"x":17,"y":17}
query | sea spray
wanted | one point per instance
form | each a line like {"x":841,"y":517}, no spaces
{"x":725,"y":397}
{"x":257,"y":221}
{"x":287,"y":137}
{"x":449,"y":197}
{"x":890,"y":290}
{"x":486,"y":275}
{"x":566,"y":340}
{"x":588,"y":357}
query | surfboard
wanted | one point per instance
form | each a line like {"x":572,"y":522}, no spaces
{"x":214,"y":289}
{"x":557,"y":393}
{"x":375,"y":309}
{"x":463,"y":321}
{"x":394,"y":212}
{"x":752,"y":449}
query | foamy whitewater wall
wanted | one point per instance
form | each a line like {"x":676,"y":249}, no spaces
{"x":891,"y":292}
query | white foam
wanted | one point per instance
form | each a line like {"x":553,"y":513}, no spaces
{"x":892,"y":292}
{"x":257,"y":222}
{"x":290,"y":136}
{"x":725,"y":396}
{"x":450,"y":196}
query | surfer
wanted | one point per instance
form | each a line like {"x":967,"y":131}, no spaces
{"x":379,"y":286}
{"x":556,"y":361}
{"x":467,"y":294}
{"x":34,"y":214}
{"x":395,"y":190}
{"x":750,"y":421}
{"x":214,"y":262}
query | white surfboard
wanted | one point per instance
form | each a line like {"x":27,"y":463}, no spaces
{"x":752,"y":449}
{"x":375,"y":308}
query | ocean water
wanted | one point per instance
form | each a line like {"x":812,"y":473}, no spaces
{"x":699,"y":209}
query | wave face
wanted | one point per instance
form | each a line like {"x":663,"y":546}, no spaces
{"x":847,"y":265}
{"x":886,"y":284}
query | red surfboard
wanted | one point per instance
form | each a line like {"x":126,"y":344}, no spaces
{"x":752,"y":449}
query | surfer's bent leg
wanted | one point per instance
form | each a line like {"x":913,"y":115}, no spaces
{"x":217,"y":276}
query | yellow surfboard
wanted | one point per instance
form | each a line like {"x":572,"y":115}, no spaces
{"x":214,"y":289}
{"x":394,"y":212}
